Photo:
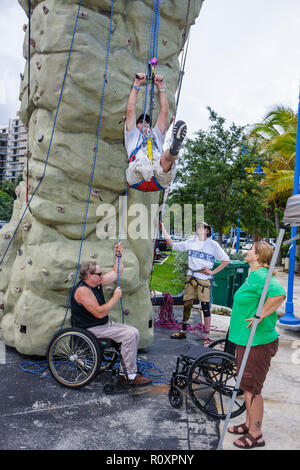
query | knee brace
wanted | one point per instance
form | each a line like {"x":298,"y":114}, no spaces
{"x":206,"y":309}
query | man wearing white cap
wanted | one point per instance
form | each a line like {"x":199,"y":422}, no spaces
{"x":202,"y":254}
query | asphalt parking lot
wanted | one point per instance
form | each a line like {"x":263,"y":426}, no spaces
{"x":39,"y":414}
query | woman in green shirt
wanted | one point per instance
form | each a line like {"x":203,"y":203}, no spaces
{"x":265,"y":341}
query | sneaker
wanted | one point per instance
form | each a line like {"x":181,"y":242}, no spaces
{"x":178,"y":135}
{"x":139,"y":380}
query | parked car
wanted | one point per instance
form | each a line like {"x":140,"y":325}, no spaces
{"x":247,"y":246}
{"x":162,"y":244}
{"x":2,"y":223}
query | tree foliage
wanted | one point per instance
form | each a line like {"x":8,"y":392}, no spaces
{"x":217,"y":171}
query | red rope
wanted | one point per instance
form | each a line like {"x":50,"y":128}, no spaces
{"x":166,"y":317}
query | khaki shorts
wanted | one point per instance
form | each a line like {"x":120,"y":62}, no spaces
{"x":257,"y":365}
{"x":196,"y":289}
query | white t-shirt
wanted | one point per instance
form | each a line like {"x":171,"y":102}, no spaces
{"x":134,"y":138}
{"x":201,"y":254}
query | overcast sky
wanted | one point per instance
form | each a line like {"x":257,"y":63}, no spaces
{"x":243,"y":58}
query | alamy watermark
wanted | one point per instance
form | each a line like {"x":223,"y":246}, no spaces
{"x":2,"y":352}
{"x":141,"y":221}
{"x":296,"y":354}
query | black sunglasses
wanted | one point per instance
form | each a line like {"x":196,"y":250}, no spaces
{"x":98,"y":274}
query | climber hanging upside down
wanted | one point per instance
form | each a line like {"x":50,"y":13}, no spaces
{"x":151,"y":168}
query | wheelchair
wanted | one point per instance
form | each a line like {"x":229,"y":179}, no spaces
{"x":209,"y":374}
{"x":75,"y":357}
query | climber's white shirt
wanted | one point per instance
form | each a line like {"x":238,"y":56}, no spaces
{"x":201,"y":254}
{"x":142,"y":168}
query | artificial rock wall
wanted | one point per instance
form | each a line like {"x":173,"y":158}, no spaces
{"x":36,"y":274}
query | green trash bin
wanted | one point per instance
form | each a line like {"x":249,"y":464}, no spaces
{"x":226,"y":282}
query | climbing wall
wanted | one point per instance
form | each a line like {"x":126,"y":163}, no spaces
{"x":39,"y":267}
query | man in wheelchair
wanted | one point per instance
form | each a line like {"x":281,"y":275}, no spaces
{"x":90,"y":311}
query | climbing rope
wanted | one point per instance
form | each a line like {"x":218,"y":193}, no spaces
{"x":167,"y":320}
{"x":148,"y":369}
{"x":28,"y":98}
{"x":94,"y":160}
{"x":51,"y":139}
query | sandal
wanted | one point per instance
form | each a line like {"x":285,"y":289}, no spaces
{"x":206,"y":342}
{"x":235,"y":429}
{"x":252,"y":439}
{"x":179,"y":335}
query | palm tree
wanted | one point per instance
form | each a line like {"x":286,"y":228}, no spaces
{"x":276,"y":136}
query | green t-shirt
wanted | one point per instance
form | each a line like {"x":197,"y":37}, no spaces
{"x":245,"y":303}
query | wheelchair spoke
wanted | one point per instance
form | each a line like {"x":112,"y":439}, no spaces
{"x":211,"y":383}
{"x":74,"y":357}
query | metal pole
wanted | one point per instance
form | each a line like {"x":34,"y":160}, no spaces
{"x":252,"y":333}
{"x":289,"y":319}
{"x":238,"y":233}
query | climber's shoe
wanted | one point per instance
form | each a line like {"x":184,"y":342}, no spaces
{"x":178,"y":135}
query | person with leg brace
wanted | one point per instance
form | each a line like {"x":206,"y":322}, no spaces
{"x":150,"y":168}
{"x":202,"y":254}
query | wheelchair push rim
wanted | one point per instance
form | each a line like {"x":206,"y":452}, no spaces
{"x":211,"y":384}
{"x":74,"y":357}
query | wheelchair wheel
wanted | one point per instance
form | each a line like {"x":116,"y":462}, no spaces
{"x":175,"y":396}
{"x":211,"y":383}
{"x":74,"y":357}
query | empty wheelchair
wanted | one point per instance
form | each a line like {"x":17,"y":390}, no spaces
{"x":209,"y":375}
{"x":75,"y":357}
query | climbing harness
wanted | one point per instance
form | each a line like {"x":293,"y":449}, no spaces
{"x":152,"y":185}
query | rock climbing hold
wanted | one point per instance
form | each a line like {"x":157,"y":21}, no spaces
{"x":21,"y":76}
{"x":83,"y":15}
{"x":45,"y":10}
{"x":165,"y":42}
{"x":122,"y":120}
{"x":20,"y":252}
{"x":1,"y":306}
{"x":26,"y":226}
{"x":128,"y":40}
{"x":18,"y":289}
{"x":32,"y":42}
{"x":126,"y":312}
{"x":70,"y":277}
{"x":22,"y":266}
{"x":45,"y":272}
{"x":94,"y":255}
{"x":40,"y":138}
{"x":28,"y":154}
{"x":60,"y":209}
{"x":38,"y":65}
{"x":38,"y":178}
{"x":96,"y":192}
{"x":6,"y":236}
{"x":24,"y":28}
{"x":29,"y":261}
{"x":37,"y":96}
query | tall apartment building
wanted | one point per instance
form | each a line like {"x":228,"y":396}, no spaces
{"x":3,"y":150}
{"x":13,"y":148}
{"x":16,"y":149}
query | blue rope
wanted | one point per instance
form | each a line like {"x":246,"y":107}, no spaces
{"x":51,"y":138}
{"x":95,"y":158}
{"x":40,"y":368}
